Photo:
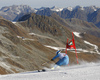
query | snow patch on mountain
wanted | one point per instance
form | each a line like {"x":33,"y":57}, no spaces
{"x":79,"y":50}
{"x":39,"y":9}
{"x":77,"y":34}
{"x":55,"y":48}
{"x":23,"y":38}
{"x":13,"y":22}
{"x":70,"y":8}
{"x":94,"y":8}
{"x":56,"y":9}
{"x":95,"y":46}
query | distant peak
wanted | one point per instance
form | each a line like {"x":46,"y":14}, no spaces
{"x":70,"y":8}
{"x":79,"y":7}
{"x":55,"y":8}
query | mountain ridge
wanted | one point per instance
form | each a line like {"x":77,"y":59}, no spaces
{"x":83,"y":13}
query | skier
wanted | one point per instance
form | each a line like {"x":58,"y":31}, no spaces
{"x":63,"y":59}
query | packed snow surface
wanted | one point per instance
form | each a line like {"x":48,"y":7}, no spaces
{"x":84,"y":71}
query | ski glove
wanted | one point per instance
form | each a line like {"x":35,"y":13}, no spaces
{"x":51,"y":59}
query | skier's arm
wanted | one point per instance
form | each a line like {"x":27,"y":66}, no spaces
{"x":55,"y":57}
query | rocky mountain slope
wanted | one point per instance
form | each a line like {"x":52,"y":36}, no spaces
{"x":13,"y":12}
{"x":23,"y":43}
{"x":19,"y":51}
{"x":90,"y":14}
{"x":95,"y":18}
{"x":59,"y":29}
{"x":46,"y":26}
{"x":78,"y":25}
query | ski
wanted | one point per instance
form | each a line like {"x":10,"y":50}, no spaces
{"x":43,"y":70}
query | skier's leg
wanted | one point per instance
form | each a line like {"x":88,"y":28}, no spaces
{"x":55,"y":66}
{"x":59,"y":63}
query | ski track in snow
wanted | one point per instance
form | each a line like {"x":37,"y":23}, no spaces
{"x":90,"y":71}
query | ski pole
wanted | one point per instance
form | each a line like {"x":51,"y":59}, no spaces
{"x":45,"y":62}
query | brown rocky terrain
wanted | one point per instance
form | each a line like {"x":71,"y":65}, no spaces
{"x":21,"y":51}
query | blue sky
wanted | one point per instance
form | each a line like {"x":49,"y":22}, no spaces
{"x":50,"y":3}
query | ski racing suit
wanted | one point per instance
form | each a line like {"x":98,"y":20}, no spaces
{"x":63,"y":59}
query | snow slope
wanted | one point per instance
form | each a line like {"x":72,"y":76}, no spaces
{"x":85,"y":71}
